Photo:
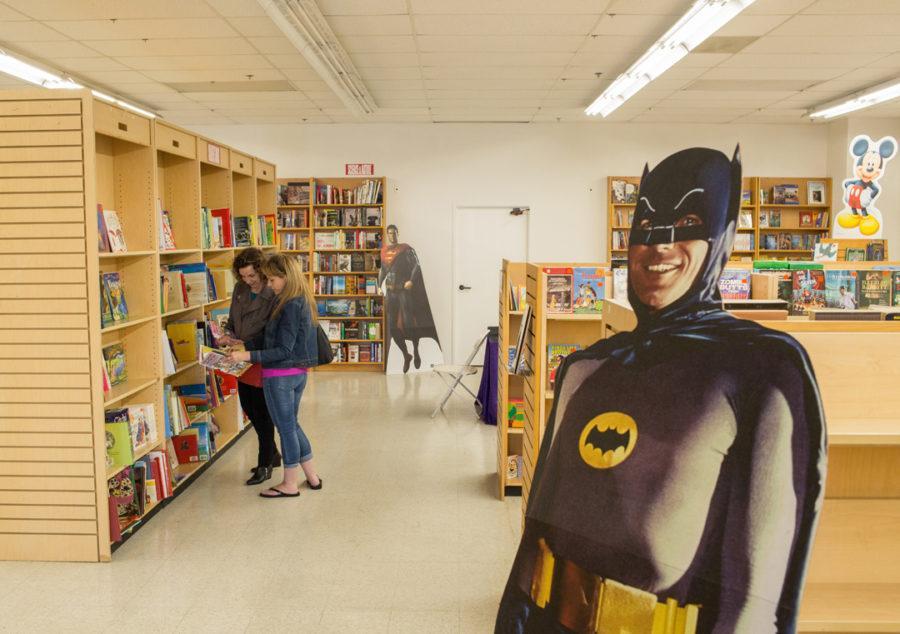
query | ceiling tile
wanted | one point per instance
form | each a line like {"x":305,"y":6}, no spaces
{"x":823,"y":44}
{"x":8,"y":14}
{"x":236,"y":8}
{"x":194,"y":118}
{"x":113,"y":78}
{"x":756,"y":25}
{"x":61,"y":49}
{"x":198,"y":62}
{"x":16,"y":31}
{"x":593,"y":85}
{"x":137,"y":29}
{"x":478,"y":43}
{"x":490,"y":84}
{"x":776,"y":7}
{"x":362,"y":7}
{"x":803,"y":60}
{"x":647,"y":27}
{"x":389,"y":102}
{"x":836,"y":26}
{"x":109,"y":10}
{"x":702,"y":60}
{"x":273,"y":45}
{"x":515,"y":7}
{"x":295,"y":60}
{"x":370,"y":25}
{"x":516,"y":24}
{"x":810,"y":74}
{"x":299,"y":74}
{"x":255,"y":27}
{"x":859,"y":8}
{"x":393,"y":95}
{"x":261,"y":98}
{"x":78,"y":64}
{"x":614,"y":44}
{"x":379,"y":43}
{"x":182,"y":47}
{"x":495,"y":59}
{"x":391,"y":60}
{"x":400,"y":72}
{"x":493,"y":72}
{"x":178,"y":76}
{"x":383,"y":85}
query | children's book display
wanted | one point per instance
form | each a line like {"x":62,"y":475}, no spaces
{"x":841,"y":289}
{"x":556,"y":352}
{"x":589,"y":289}
{"x":559,"y":289}
{"x":874,"y":288}
{"x":735,"y":284}
{"x":110,"y":225}
{"x":808,"y":291}
{"x":114,"y":361}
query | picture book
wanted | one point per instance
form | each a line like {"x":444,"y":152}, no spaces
{"x":853,"y":254}
{"x":119,"y":450}
{"x":841,"y":289}
{"x":875,"y":251}
{"x":775,"y":218}
{"x":620,"y":283}
{"x":825,"y":252}
{"x":770,"y":241}
{"x":195,"y":282}
{"x":874,"y":288}
{"x":559,"y":290}
{"x":166,"y":235}
{"x":122,"y":498}
{"x":183,"y":335}
{"x":140,"y":426}
{"x":588,"y":284}
{"x":102,"y":235}
{"x":186,"y":446}
{"x":796,"y":241}
{"x":618,"y":191}
{"x":784,"y":241}
{"x":746,"y":198}
{"x":106,"y":314}
{"x":114,"y":231}
{"x":218,"y":360}
{"x":518,"y":362}
{"x":225,"y":237}
{"x":806,"y":219}
{"x":114,"y":356}
{"x":895,"y":286}
{"x":763,"y":221}
{"x":516,"y":413}
{"x":243,"y":233}
{"x":735,"y":284}
{"x":815,"y":193}
{"x":807,"y":290}
{"x":786,"y":194}
{"x":556,"y":352}
{"x":115,"y":296}
{"x":204,"y":444}
{"x":745,"y":219}
{"x":512,"y":467}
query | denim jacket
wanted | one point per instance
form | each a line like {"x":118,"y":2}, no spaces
{"x":291,"y":338}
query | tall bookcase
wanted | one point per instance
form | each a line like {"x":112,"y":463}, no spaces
{"x":66,"y":152}
{"x":300,"y":240}
{"x":509,"y":385}
{"x":758,"y":204}
{"x":547,"y":328}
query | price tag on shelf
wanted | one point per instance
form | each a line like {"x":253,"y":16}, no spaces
{"x":359,"y":169}
{"x":213,"y":153}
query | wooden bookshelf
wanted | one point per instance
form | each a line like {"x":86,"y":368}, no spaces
{"x":509,"y":385}
{"x":620,"y":210}
{"x":299,"y":239}
{"x":790,"y":225}
{"x":51,"y":340}
{"x":547,"y":328}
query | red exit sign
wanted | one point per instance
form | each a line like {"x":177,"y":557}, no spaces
{"x":359,"y":169}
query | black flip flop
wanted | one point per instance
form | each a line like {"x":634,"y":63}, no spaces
{"x":281,"y":494}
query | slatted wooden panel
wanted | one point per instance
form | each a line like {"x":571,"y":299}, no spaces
{"x":48,"y":484}
{"x":533,"y":384}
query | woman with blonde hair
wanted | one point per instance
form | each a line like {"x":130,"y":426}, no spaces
{"x":289,"y":348}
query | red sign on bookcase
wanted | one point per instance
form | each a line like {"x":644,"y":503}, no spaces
{"x":359,"y":169}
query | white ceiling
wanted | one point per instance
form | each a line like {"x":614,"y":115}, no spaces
{"x":461,"y":60}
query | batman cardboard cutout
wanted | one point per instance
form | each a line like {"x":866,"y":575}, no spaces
{"x":681,"y":472}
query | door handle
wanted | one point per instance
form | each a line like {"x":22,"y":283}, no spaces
{"x":465,"y":288}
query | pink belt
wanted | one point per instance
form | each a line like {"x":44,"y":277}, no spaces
{"x":268,"y":373}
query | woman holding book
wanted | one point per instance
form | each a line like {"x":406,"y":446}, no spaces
{"x":287,"y":350}
{"x":251,"y":305}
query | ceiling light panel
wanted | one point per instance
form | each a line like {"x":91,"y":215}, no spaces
{"x":887,"y":91}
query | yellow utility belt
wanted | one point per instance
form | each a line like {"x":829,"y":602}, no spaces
{"x":588,"y":604}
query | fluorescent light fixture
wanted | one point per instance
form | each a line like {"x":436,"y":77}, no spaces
{"x":123,"y":104}
{"x":35,"y":75}
{"x":303,"y":24}
{"x":704,"y":18}
{"x":864,"y":99}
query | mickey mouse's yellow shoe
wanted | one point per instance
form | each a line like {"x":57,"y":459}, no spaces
{"x":869,"y":226}
{"x":848,"y":221}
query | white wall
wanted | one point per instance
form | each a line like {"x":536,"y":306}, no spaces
{"x":559,"y":170}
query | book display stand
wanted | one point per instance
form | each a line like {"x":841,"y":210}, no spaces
{"x":68,"y":154}
{"x":510,"y":388}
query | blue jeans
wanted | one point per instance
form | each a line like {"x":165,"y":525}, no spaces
{"x":283,"y":400}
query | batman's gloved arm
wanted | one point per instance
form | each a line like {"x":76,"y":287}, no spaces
{"x":762,"y":508}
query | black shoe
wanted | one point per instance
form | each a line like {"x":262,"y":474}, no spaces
{"x":417,"y":360}
{"x":260,"y":475}
{"x":315,"y":488}
{"x":406,"y":359}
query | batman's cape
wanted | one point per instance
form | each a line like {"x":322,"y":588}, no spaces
{"x":698,"y":318}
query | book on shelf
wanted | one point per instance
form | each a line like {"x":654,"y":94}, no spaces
{"x":219,"y":360}
{"x":187,"y":446}
{"x":806,"y":220}
{"x":206,"y":228}
{"x":173,"y":288}
{"x":815,"y":193}
{"x":185,"y":340}
{"x":559,"y":289}
{"x":166,"y":235}
{"x":115,"y":296}
{"x":293,"y":193}
{"x":102,"y":235}
{"x":516,"y":365}
{"x":764,"y":220}
{"x":243,"y":231}
{"x":369,"y":192}
{"x":589,"y":289}
{"x":293,"y":218}
{"x":515,"y":413}
{"x":743,"y":242}
{"x":514,"y":467}
{"x":124,"y":510}
{"x":895,"y":288}
{"x":349,"y":217}
{"x":623,"y":216}
{"x":875,"y":251}
{"x":266,"y":230}
{"x":119,"y":450}
{"x":106,"y":384}
{"x":874,"y":288}
{"x":854,"y":254}
{"x":841,"y":289}
{"x":517,"y":297}
{"x":116,"y":368}
{"x":194,"y":282}
{"x":143,"y":424}
{"x":746,"y":197}
{"x":787,"y":194}
{"x":745,"y":219}
{"x":775,"y":218}
{"x":358,"y":352}
{"x":620,"y":283}
{"x":623,"y":192}
{"x":556,"y":352}
{"x":734,"y":284}
{"x":807,"y":290}
{"x":222,"y":228}
{"x":114,"y":231}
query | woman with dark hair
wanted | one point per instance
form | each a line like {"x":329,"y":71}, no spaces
{"x":408,"y":311}
{"x":251,"y":305}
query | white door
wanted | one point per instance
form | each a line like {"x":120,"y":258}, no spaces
{"x":482,"y":238}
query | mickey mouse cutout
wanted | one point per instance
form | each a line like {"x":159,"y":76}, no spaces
{"x":861,"y":218}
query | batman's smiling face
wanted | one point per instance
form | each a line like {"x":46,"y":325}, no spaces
{"x":607,"y":440}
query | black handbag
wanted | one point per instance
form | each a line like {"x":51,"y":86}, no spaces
{"x":326,"y":354}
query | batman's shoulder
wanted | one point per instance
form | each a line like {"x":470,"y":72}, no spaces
{"x":774,"y":346}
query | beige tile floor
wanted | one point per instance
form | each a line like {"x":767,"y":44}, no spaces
{"x":407,"y":534}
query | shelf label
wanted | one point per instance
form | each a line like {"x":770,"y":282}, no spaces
{"x":213,"y":153}
{"x":359,"y":169}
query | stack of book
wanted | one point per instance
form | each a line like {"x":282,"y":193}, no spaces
{"x":367,"y":193}
{"x":129,"y":430}
{"x":349,"y":217}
